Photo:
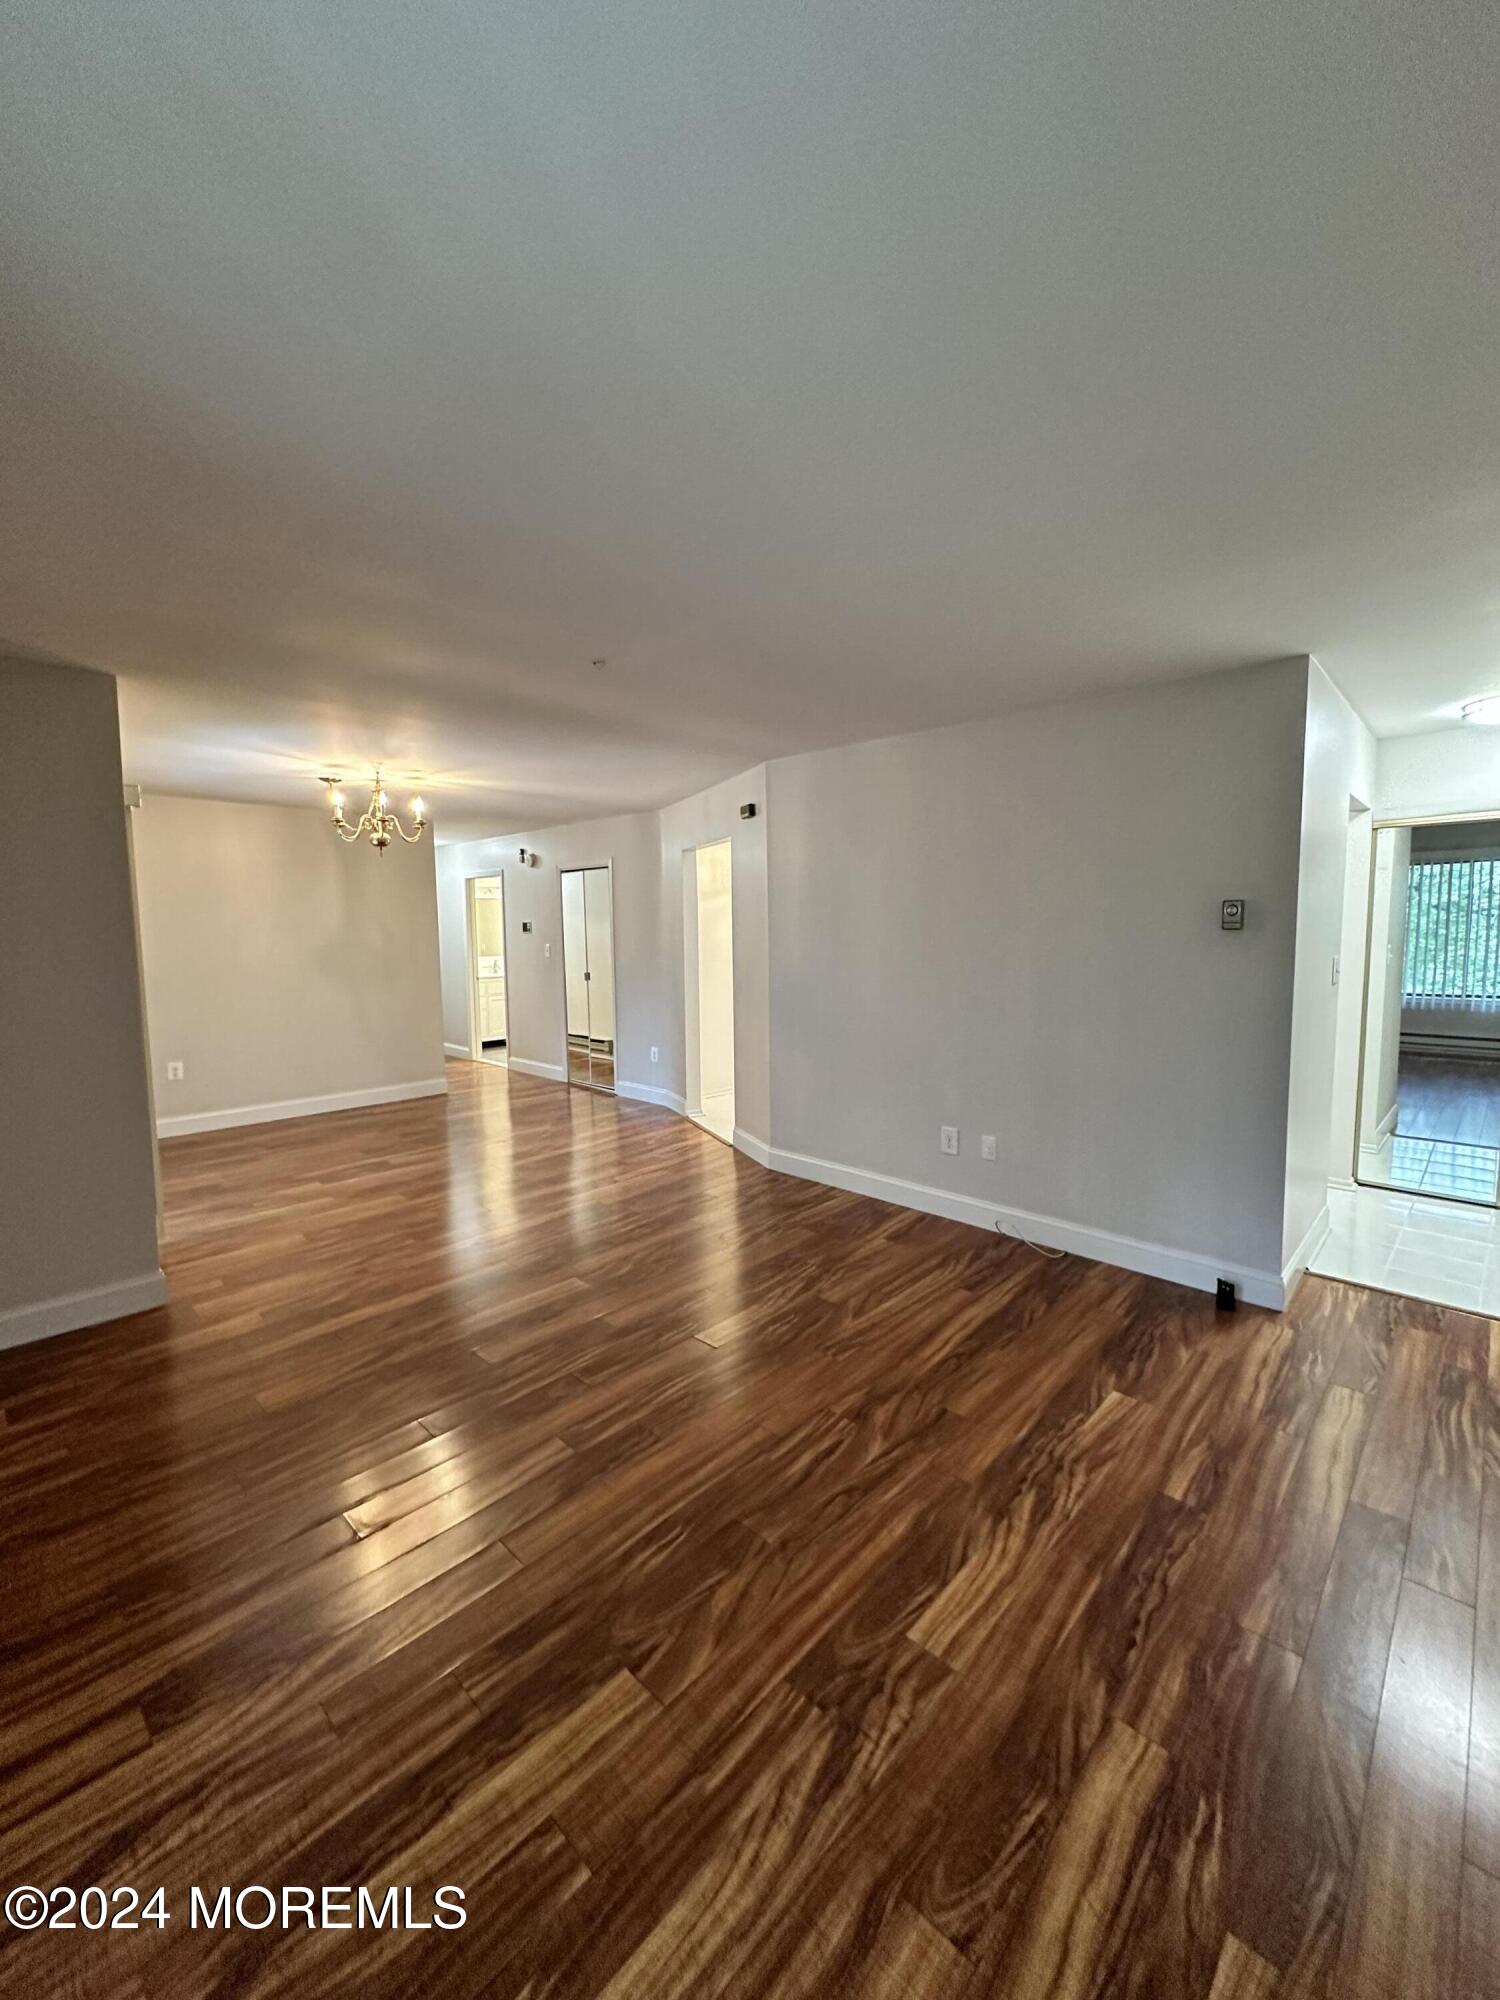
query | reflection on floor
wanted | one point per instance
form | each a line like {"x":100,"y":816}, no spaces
{"x":495,"y":1052}
{"x":1445,"y":1251}
{"x":1447,"y":1137}
{"x":1445,"y":1097}
{"x":1435,"y":1166}
{"x":717,"y":1115}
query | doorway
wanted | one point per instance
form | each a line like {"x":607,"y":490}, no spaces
{"x":1429,"y":1089}
{"x":489,"y":1007}
{"x":708,"y":1012}
{"x":588,"y":934}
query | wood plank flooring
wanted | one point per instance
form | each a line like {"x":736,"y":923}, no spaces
{"x":1449,"y":1098}
{"x":737,"y":1588}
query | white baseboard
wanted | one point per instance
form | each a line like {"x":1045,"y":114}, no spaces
{"x":76,"y":1309}
{"x":753,"y":1148}
{"x":549,"y":1072}
{"x":652,"y":1093}
{"x":459,"y":1049}
{"x":298,"y":1107}
{"x":1152,"y":1260}
{"x":1306,"y":1250}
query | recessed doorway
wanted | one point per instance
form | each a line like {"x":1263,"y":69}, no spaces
{"x":708,"y":1010}
{"x":1429,"y":1095}
{"x":588,"y":936}
{"x":489,"y":1005}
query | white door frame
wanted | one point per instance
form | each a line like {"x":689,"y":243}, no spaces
{"x":692,"y":1043}
{"x":476,"y":1045}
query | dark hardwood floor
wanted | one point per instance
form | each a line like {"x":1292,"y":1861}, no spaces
{"x":737,"y":1588}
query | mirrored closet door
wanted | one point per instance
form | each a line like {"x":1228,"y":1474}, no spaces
{"x":1429,"y":1094}
{"x":589,"y":976}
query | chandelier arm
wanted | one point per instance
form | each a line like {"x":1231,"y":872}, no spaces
{"x":410,"y":838}
{"x":346,"y":832}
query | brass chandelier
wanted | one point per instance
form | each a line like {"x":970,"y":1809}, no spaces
{"x":377,"y":819}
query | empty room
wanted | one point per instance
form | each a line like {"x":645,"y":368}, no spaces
{"x":750,"y":1001}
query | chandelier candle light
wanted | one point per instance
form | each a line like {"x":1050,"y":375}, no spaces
{"x":377,"y":820}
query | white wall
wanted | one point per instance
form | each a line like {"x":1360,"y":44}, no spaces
{"x":77,"y":1188}
{"x":287,"y":972}
{"x":1382,"y":1059}
{"x":1338,"y":769}
{"x":1344,"y":1121}
{"x":714,"y":910}
{"x":1014,"y":927}
{"x":1449,"y":771}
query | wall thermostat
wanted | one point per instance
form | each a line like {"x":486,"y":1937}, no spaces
{"x":1232,"y":914}
{"x":747,"y":812}
{"x":525,"y":926}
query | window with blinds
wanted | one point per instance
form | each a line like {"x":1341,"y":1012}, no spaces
{"x":1453,"y":931}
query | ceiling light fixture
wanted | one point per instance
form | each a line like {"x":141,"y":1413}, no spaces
{"x":1484,"y":708}
{"x":377,"y":820}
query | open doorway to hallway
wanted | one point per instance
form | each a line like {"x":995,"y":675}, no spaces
{"x":708,"y":1011}
{"x":1421,"y":1214}
{"x":489,"y":1009}
{"x":1429,"y":1096}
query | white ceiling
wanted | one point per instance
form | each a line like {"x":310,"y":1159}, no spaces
{"x":371,"y":367}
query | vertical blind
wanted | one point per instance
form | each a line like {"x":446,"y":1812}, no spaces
{"x":1453,"y":930}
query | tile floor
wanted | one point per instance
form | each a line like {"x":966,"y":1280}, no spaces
{"x":1440,"y":1250}
{"x":1435,"y":1166}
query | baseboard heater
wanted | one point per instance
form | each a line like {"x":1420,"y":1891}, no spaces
{"x":1472,"y":1048}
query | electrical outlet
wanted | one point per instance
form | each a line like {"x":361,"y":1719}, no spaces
{"x":547,"y":949}
{"x":174,"y":1072}
{"x":949,"y":1137}
{"x":655,"y":1053}
{"x":987,"y":1146}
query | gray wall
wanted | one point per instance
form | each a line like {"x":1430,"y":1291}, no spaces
{"x":1014,"y":927}
{"x":648,"y":852}
{"x":77,"y":1192}
{"x":283,"y":968}
{"x":533,"y":960}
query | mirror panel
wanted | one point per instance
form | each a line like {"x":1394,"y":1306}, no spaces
{"x":1429,"y":1091}
{"x":589,"y":976}
{"x":575,"y":976}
